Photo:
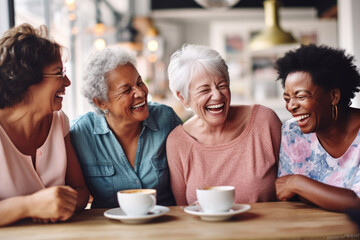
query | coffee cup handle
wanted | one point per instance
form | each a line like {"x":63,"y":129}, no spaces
{"x":153,"y":198}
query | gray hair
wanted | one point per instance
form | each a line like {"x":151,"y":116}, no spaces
{"x":191,"y":60}
{"x":99,"y":64}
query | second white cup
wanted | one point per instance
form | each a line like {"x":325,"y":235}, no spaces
{"x":137,"y":202}
{"x":216,"y":199}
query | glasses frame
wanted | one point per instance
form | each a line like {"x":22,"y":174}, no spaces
{"x":50,"y":75}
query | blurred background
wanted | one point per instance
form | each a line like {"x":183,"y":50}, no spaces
{"x":249,"y":34}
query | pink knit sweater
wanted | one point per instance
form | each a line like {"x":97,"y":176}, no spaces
{"x":249,"y":162}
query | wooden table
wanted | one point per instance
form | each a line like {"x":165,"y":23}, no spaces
{"x":272,"y":220}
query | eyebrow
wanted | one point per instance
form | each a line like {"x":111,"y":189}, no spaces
{"x":57,"y":68}
{"x":123,"y":86}
{"x":297,"y":92}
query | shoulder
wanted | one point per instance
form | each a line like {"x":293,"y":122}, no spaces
{"x":82,"y":122}
{"x":155,"y":108}
{"x":290,"y":131}
{"x":163,"y":115}
{"x":61,"y":119}
{"x":265,"y":112}
{"x":177,"y":136}
{"x":61,"y":116}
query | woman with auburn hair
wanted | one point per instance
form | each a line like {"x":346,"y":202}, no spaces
{"x":40,"y":176}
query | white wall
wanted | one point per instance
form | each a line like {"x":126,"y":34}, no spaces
{"x":349,"y":32}
{"x":4,"y":16}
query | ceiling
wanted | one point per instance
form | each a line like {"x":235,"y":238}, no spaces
{"x":325,"y":8}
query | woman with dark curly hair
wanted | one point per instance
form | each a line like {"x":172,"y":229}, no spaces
{"x":40,"y":176}
{"x":320,"y":148}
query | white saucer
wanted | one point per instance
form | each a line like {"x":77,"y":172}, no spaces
{"x":118,"y":214}
{"x":220,"y":216}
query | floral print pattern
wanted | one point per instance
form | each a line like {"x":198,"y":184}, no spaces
{"x":303,"y":154}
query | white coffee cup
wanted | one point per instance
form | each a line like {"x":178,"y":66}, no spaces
{"x":137,"y":202}
{"x":216,"y":199}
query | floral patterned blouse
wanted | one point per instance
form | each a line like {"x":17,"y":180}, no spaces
{"x":303,"y":154}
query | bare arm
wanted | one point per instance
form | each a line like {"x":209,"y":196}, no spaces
{"x":177,"y":180}
{"x":74,"y":177}
{"x":57,"y":203}
{"x":325,"y":196}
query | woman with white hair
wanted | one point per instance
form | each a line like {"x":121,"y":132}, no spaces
{"x":220,"y":144}
{"x":122,"y":145}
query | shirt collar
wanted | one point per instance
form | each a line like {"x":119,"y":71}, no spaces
{"x":101,"y":126}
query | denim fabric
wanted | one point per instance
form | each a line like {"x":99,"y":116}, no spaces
{"x":105,"y":166}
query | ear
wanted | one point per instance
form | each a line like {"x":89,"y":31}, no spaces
{"x":182,"y":99}
{"x":335,"y":96}
{"x":100,"y":103}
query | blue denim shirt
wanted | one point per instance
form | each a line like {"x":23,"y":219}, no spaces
{"x":105,"y":166}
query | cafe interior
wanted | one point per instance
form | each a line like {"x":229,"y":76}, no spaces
{"x":157,"y":28}
{"x":249,"y":34}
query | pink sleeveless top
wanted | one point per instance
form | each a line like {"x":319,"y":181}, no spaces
{"x":17,"y":173}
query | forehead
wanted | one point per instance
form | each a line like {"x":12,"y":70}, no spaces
{"x":122,"y":74}
{"x":205,"y":78}
{"x":298,"y":80}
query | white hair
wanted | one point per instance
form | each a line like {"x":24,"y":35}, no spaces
{"x":99,"y":64}
{"x":188,"y":62}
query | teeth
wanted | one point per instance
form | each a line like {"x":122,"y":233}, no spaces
{"x":60,"y":94}
{"x":216,"y":106}
{"x":139,"y":105}
{"x":301,"y":117}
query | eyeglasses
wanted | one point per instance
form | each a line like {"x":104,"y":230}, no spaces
{"x":59,"y":75}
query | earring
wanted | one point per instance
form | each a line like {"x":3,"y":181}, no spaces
{"x":334,"y":112}
{"x":106,"y":111}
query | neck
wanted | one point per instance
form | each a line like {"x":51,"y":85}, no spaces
{"x":124,"y":131}
{"x":337,"y":130}
{"x":22,"y":117}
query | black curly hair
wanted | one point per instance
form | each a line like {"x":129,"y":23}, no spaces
{"x":24,"y":52}
{"x":328,"y":67}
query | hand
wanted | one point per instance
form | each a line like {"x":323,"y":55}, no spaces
{"x":45,"y":220}
{"x":286,"y":186}
{"x":53,"y":204}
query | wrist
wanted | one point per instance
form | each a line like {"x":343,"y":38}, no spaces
{"x":27,"y":206}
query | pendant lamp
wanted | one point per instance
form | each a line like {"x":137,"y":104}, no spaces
{"x":217,"y":4}
{"x":272,"y":34}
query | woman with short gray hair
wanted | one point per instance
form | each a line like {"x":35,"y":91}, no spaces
{"x":122,"y":145}
{"x":220,"y":144}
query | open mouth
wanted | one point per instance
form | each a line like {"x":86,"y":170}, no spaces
{"x":137,"y":106}
{"x":301,"y":118}
{"x":215,"y":108}
{"x":60,"y":94}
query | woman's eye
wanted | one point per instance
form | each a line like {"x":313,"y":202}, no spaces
{"x":301,"y":98}
{"x":287,"y":100}
{"x":223,"y":86}
{"x":140,"y":83}
{"x":204,"y":90}
{"x":126,"y":91}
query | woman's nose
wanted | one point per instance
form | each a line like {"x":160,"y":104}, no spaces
{"x":138,"y":92}
{"x":216,"y":94}
{"x":67,"y":81}
{"x":292,"y":104}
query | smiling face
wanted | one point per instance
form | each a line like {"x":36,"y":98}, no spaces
{"x":308,"y":103}
{"x":209,"y":98}
{"x":127,"y":95}
{"x":48,"y":93}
